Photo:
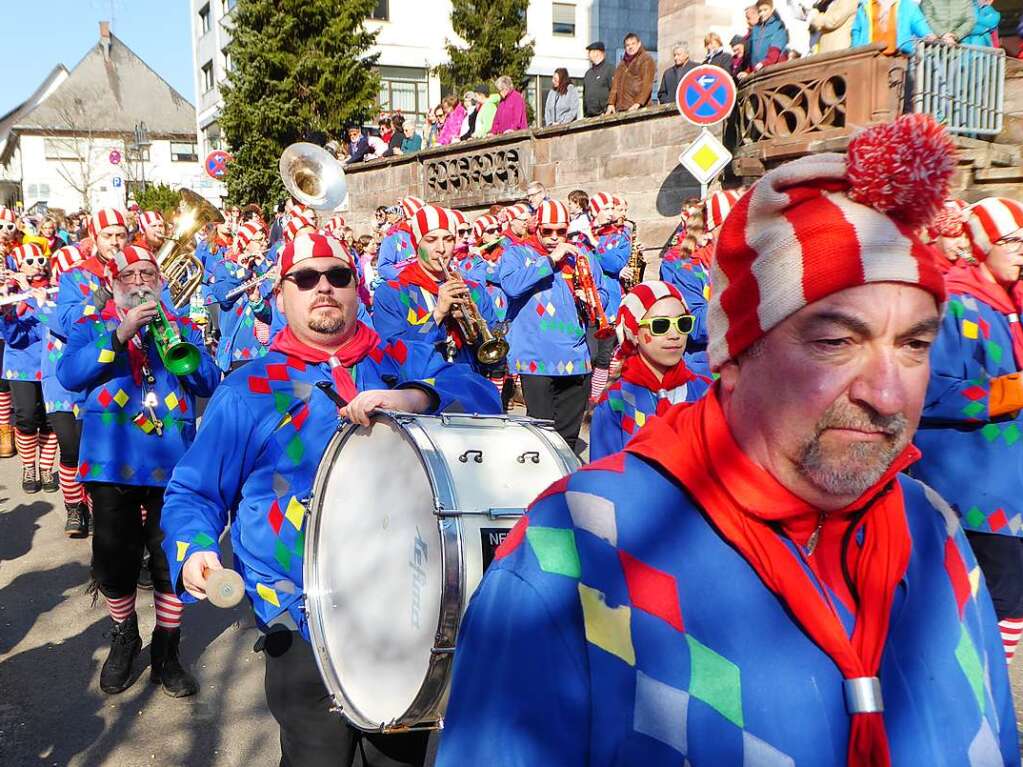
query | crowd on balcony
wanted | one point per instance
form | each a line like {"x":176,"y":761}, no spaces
{"x":775,"y":31}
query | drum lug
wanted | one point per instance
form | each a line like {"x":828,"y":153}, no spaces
{"x":443,"y":650}
{"x":476,"y":455}
{"x":532,"y":455}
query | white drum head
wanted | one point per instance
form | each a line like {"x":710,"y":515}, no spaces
{"x":374,"y":598}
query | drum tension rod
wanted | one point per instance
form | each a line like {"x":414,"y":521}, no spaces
{"x":476,"y":455}
{"x":531,"y":455}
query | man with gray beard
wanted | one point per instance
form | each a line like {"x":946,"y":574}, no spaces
{"x":753,"y":580}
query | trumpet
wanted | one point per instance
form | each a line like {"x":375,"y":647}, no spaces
{"x":635,"y":262}
{"x":249,"y":284}
{"x":15,"y":298}
{"x":591,"y":298}
{"x":491,"y":347}
{"x":179,"y":357}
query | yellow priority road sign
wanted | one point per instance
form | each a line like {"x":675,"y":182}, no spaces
{"x":705,"y":157}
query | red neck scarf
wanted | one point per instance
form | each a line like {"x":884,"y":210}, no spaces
{"x":351,"y":352}
{"x":968,"y":279}
{"x":741,"y":499}
{"x":415,"y":274}
{"x":636,"y":371}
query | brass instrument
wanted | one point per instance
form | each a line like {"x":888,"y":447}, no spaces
{"x":313,"y":176}
{"x":249,"y":284}
{"x":179,"y":357}
{"x":176,"y":257}
{"x":591,"y":298}
{"x":491,"y":347}
{"x":635,"y":262}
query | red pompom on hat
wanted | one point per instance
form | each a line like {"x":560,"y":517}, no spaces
{"x":132,"y":254}
{"x":950,"y":220}
{"x":990,"y":220}
{"x":313,"y":245}
{"x":825,"y":223}
{"x":427,"y":219}
{"x":107,"y":217}
{"x":635,"y":305}
{"x":552,"y":213}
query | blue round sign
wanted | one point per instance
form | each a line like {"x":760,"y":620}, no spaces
{"x":705,"y":95}
{"x":217,"y":162}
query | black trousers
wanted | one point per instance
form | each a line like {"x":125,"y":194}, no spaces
{"x":120,"y":537}
{"x":311,"y":734}
{"x":69,"y":436}
{"x":561,"y":399}
{"x":1001,"y":560}
{"x":29,"y":410}
{"x":601,"y":349}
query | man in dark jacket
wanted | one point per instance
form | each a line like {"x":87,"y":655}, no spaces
{"x":717,"y":54}
{"x":358,"y":145}
{"x":673,"y":74}
{"x":633,"y":82}
{"x":596,"y":81}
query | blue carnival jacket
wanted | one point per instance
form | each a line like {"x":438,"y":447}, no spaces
{"x":974,"y":459}
{"x":119,"y":441}
{"x":238,"y":315}
{"x":488,"y":274}
{"x":257,"y":454}
{"x":23,"y":339}
{"x":56,"y":398}
{"x":613,"y":250}
{"x":395,"y":248}
{"x":625,"y":407}
{"x":547,"y":336}
{"x":693,"y":282}
{"x":618,"y":629}
{"x":403,"y":310}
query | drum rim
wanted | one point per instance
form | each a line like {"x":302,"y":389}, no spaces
{"x":433,"y":686}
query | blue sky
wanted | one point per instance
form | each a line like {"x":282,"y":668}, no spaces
{"x":39,"y":34}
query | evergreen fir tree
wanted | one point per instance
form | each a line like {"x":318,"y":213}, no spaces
{"x":301,"y":68}
{"x":493,"y":30}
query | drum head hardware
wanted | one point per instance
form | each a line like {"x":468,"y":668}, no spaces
{"x":476,"y":455}
{"x":532,"y":455}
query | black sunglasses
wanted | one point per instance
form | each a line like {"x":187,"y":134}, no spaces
{"x":307,"y":279}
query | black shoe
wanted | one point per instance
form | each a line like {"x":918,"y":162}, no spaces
{"x":88,"y":516}
{"x":145,"y":579}
{"x":125,"y":644}
{"x":77,"y":525}
{"x":50,"y":482}
{"x":165,"y":664}
{"x":30,"y":480}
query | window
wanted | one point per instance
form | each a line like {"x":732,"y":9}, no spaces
{"x":225,"y":59}
{"x":32,"y":190}
{"x":564,"y":19}
{"x":62,"y":149}
{"x":136,"y":154}
{"x":229,"y":5}
{"x":207,"y":77}
{"x":44,"y":190}
{"x":184,"y":152}
{"x":381,"y":12}
{"x":211,"y":134}
{"x":404,"y":89}
{"x":204,"y":19}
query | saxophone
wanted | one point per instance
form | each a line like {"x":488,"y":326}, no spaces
{"x":635,"y":262}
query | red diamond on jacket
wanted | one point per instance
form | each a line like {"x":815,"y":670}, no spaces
{"x":652,"y":590}
{"x":105,"y":398}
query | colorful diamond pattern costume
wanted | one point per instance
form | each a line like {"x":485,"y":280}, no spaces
{"x":238,"y":315}
{"x":693,"y":281}
{"x":613,"y":249}
{"x":395,"y":251}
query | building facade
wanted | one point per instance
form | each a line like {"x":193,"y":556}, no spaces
{"x":70,"y":145}
{"x":411,"y":40}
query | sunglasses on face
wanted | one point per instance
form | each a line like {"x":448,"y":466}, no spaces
{"x":35,"y":261}
{"x":464,"y":230}
{"x":492,"y":230}
{"x":659,"y":326}
{"x":307,"y":279}
{"x":551,"y":231}
{"x":8,"y":226}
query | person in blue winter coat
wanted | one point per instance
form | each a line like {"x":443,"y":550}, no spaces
{"x":396,"y":250}
{"x":245,"y":317}
{"x":754,"y":580}
{"x":653,"y":324}
{"x":968,"y":434}
{"x":986,"y":26}
{"x":769,"y":39}
{"x":910,"y":26}
{"x":138,"y":418}
{"x":420,"y":304}
{"x":254,"y":462}
{"x":547,"y":336}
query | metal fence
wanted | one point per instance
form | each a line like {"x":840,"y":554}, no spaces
{"x":963,"y":86}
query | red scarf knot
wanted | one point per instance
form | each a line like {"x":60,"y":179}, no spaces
{"x":362,"y":341}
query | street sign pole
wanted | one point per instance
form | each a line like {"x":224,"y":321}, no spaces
{"x":705,"y":96}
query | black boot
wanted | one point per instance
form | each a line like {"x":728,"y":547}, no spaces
{"x":77,"y":525}
{"x":125,"y":644}
{"x":166,"y":665}
{"x":30,"y":479}
{"x":145,"y":579}
{"x":50,"y":482}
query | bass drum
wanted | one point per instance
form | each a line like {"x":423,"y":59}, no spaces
{"x":404,"y":518}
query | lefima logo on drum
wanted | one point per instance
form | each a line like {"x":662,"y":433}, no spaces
{"x":420,"y":556}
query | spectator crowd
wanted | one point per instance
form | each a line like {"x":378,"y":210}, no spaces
{"x":776,"y":31}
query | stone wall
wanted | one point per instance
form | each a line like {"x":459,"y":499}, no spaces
{"x":633,"y":154}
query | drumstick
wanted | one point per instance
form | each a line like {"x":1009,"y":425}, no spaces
{"x":224,"y":588}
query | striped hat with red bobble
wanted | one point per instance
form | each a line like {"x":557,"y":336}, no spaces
{"x":825,"y":223}
{"x":635,"y":305}
{"x":107,"y":217}
{"x":411,"y":205}
{"x":247,"y":232}
{"x":718,"y":206}
{"x":65,"y":259}
{"x":23,"y":251}
{"x":990,"y":220}
{"x":518,"y":211}
{"x":458,"y":216}
{"x":428,"y":218}
{"x":313,"y":245}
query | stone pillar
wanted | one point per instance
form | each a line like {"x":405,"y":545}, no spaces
{"x":687,"y":21}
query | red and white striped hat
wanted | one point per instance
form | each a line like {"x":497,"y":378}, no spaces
{"x":600,"y":201}
{"x":617,"y":199}
{"x":107,"y":217}
{"x":411,"y":205}
{"x":65,"y":259}
{"x":990,"y":220}
{"x":518,"y":211}
{"x":20,"y":253}
{"x":825,"y":223}
{"x":950,"y":222}
{"x":335,"y":224}
{"x":313,"y":245}
{"x":247,"y":232}
{"x":7,"y":215}
{"x":149,"y":218}
{"x":458,"y":216}
{"x":297,"y":222}
{"x":429,"y":218}
{"x":718,"y":206}
{"x":552,"y":212}
{"x":636,"y":304}
{"x":131,"y":254}
{"x":485,"y":221}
